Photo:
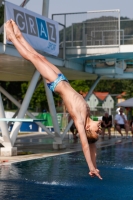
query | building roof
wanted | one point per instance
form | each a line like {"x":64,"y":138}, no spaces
{"x":101,"y":95}
{"x":121,"y":96}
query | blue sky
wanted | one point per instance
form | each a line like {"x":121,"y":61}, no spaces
{"x":66,"y":6}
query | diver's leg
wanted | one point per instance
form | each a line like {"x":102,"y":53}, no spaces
{"x":43,"y":67}
{"x":21,"y":39}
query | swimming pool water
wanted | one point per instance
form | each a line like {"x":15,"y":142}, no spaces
{"x":65,"y":177}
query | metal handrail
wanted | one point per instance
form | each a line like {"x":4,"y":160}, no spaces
{"x":86,"y":36}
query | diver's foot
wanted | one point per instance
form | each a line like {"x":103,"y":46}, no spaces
{"x":9,"y":30}
{"x":16,"y":29}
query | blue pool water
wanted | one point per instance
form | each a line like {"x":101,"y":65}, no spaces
{"x":65,"y":177}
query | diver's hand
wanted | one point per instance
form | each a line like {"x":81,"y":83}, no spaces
{"x":95,"y":172}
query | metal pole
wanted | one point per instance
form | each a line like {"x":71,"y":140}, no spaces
{"x":52,"y":109}
{"x":72,"y":35}
{"x":119,"y":29}
{"x":45,"y":8}
{"x":16,"y":113}
{"x":92,"y":88}
{"x":23,"y":4}
{"x":83,"y":37}
{"x":4,"y":127}
{"x":64,"y":40}
{"x":24,"y":106}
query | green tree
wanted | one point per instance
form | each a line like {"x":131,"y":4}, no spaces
{"x":81,"y":85}
{"x":112,"y":86}
{"x":14,"y":89}
{"x":38,"y":101}
{"x":129,"y":89}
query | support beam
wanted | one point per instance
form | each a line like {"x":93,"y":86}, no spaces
{"x":92,"y":88}
{"x":86,"y":98}
{"x":16,"y":113}
{"x":5,"y":139}
{"x":126,"y":75}
{"x":104,"y":70}
{"x":11,"y":51}
{"x":27,"y":112}
{"x":74,"y":65}
{"x":52,"y":109}
{"x":24,"y":106}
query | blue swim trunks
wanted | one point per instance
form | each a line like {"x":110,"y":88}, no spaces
{"x":53,"y":84}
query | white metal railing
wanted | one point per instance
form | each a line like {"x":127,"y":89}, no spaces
{"x":94,"y":28}
{"x":89,"y":28}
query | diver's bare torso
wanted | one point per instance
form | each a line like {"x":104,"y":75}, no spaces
{"x":74,"y":102}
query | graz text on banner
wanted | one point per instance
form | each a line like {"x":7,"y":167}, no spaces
{"x":41,"y":32}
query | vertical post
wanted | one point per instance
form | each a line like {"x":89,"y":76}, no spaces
{"x":103,"y":39}
{"x":83,"y":32}
{"x":123,"y":36}
{"x":64,"y":39}
{"x":4,"y":27}
{"x":72,"y":35}
{"x":4,"y":126}
{"x":91,"y":37}
{"x":94,"y":36}
{"x":45,"y":8}
{"x":119,"y":28}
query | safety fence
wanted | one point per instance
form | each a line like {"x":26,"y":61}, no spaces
{"x":62,"y":118}
{"x":94,"y":28}
{"x":89,"y":28}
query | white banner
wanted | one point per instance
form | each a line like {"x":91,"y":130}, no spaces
{"x":40,"y":32}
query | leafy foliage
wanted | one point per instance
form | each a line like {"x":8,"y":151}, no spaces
{"x":129,"y":89}
{"x":38,"y":100}
{"x":80,"y":85}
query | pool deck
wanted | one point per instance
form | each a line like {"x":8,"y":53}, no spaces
{"x":39,"y":145}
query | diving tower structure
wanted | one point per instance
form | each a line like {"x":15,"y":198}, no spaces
{"x":92,"y":46}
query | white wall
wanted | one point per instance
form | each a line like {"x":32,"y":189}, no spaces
{"x":108,"y":103}
{"x":93,"y":102}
